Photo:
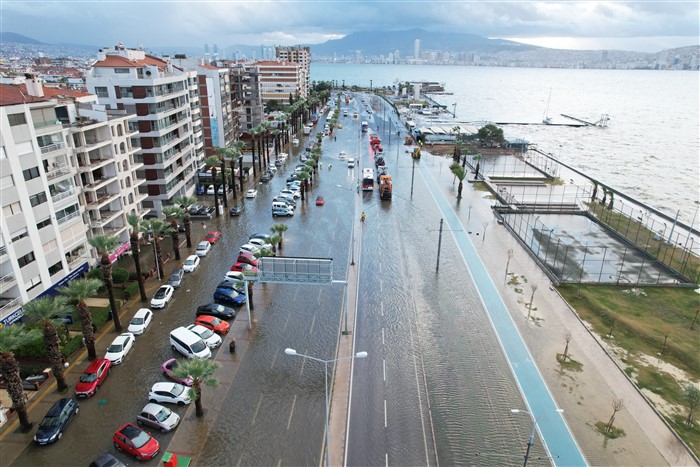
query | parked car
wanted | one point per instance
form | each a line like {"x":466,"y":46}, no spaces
{"x":288,"y":200}
{"x":106,"y":459}
{"x":93,"y":377}
{"x":214,"y":309}
{"x":136,"y":442}
{"x":194,"y":209}
{"x":262,"y":244}
{"x":190,"y":263}
{"x":351,"y":163}
{"x":295,"y":193}
{"x":249,"y":258}
{"x":169,"y":366}
{"x":157,"y":416}
{"x":265,"y":177}
{"x":207,"y":335}
{"x":210,"y":190}
{"x":237,"y":286}
{"x":319,"y":201}
{"x":245,"y":268}
{"x":262,"y":236}
{"x":237,"y":210}
{"x":229,"y":296}
{"x":221,"y":189}
{"x":201,"y":189}
{"x":120,"y":347}
{"x":203,"y":248}
{"x":233,"y":276}
{"x":250,"y":248}
{"x":169,"y":393}
{"x":213,"y":324}
{"x":213,"y":236}
{"x":139,"y":323}
{"x":252,"y":193}
{"x":162,"y":296}
{"x":176,"y":277}
{"x":56,"y":420}
{"x":282,"y":211}
{"x":279,"y":162}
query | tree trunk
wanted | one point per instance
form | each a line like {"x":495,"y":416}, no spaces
{"x":223,"y":181}
{"x":136,"y":255}
{"x":240,"y":172}
{"x":159,"y":256}
{"x":10,"y":372}
{"x":199,"y":410}
{"x":176,"y":239}
{"x":216,"y":192}
{"x":86,"y":326}
{"x":255,"y":172}
{"x":188,"y":230}
{"x":233,"y":178}
{"x":459,"y":189}
{"x":107,"y":273}
{"x":51,"y":344}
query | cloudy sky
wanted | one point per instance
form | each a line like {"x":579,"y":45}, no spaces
{"x":646,"y":26}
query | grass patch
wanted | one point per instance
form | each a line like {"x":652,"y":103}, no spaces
{"x":569,"y":364}
{"x":660,"y":383}
{"x":480,"y":186}
{"x":689,"y":433}
{"x":612,"y":434}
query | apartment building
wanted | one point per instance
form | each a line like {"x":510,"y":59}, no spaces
{"x":279,"y":80}
{"x":300,"y":55}
{"x":67,"y":172}
{"x":164,"y":100}
{"x":245,"y":86}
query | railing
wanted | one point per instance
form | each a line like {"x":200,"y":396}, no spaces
{"x":3,"y":250}
{"x":7,"y":278}
{"x":44,"y":124}
{"x":68,"y":217}
{"x":53,"y":147}
{"x":9,"y":305}
{"x":79,"y":259}
{"x":58,"y":171}
{"x":65,"y":194}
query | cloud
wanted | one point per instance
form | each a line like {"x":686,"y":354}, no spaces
{"x":267,"y":22}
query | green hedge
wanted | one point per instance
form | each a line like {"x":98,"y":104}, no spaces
{"x":100,"y":315}
{"x":120,"y":275}
{"x":96,"y":273}
{"x":35,"y":349}
{"x":131,"y":290}
{"x":74,"y":344}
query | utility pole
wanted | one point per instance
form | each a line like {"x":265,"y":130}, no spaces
{"x":412,"y":174}
{"x":437,"y":266}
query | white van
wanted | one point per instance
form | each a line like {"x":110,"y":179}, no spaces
{"x":189,"y":344}
{"x":351,"y":163}
{"x":281,"y":205}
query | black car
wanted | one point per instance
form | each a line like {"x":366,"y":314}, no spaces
{"x":56,"y":420}
{"x":106,"y":460}
{"x":237,"y":210}
{"x":265,"y":177}
{"x":278,"y":163}
{"x":194,"y":209}
{"x":214,"y":309}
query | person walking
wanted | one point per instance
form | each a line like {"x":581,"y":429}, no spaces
{"x":320,"y":165}
{"x":329,"y":167}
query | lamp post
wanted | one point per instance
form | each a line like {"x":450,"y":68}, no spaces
{"x":454,"y":110}
{"x":293,"y":352}
{"x":532,"y":432}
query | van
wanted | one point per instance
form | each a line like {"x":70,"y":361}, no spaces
{"x":280,"y":205}
{"x":351,"y":163}
{"x":189,"y":344}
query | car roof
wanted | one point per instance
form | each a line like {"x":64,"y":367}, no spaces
{"x":191,"y":257}
{"x":95,"y":364}
{"x":130,"y":430}
{"x":152,"y":408}
{"x":163,"y":385}
{"x":122,"y":337}
{"x":142,"y":312}
{"x":58,"y":407}
{"x":202,"y":243}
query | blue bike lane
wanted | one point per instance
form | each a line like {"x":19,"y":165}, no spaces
{"x":554,"y":431}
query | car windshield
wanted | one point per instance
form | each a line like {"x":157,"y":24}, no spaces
{"x":140,"y":439}
{"x":88,"y":377}
{"x":189,"y":261}
{"x":178,"y":388}
{"x":197,"y":347}
{"x":114,"y":348}
{"x":215,"y":321}
{"x":163,"y":414}
{"x":175,"y":277}
{"x":172,"y":365}
{"x":160,"y":293}
{"x":137,"y":321}
{"x":206,"y":333}
{"x":201,"y":247}
{"x":49,"y":422}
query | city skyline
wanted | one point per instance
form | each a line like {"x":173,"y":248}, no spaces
{"x":636,"y":26}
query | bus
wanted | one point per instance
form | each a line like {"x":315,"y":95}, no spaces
{"x":368,"y":179}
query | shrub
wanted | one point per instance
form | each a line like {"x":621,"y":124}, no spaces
{"x":33,"y":349}
{"x":74,"y":344}
{"x":99,"y":315}
{"x":131,"y":290}
{"x":120,"y":275}
{"x":96,"y":273}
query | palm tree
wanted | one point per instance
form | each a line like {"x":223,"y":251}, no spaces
{"x":303,"y":176}
{"x":48,"y":312}
{"x":157,"y":228}
{"x":185,"y":202}
{"x":212,"y":162}
{"x":174,"y":214}
{"x":134,"y":220}
{"x":253,"y":132}
{"x":222,"y":153}
{"x":78,"y":291}
{"x":460,"y":173}
{"x":274,"y":240}
{"x":200,"y":372}
{"x":279,"y":229}
{"x":458,"y":144}
{"x":12,"y":337}
{"x":276,"y":136}
{"x":104,"y":244}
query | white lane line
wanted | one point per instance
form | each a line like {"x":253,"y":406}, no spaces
{"x":286,"y":322}
{"x":240,"y":458}
{"x":381,"y":308}
{"x":384,"y":368}
{"x":274,"y":358}
{"x":386,"y":459}
{"x":279,"y":463}
{"x":313,"y":321}
{"x":384,"y":413}
{"x":382,"y":336}
{"x":294,"y":402}
{"x":255,"y":415}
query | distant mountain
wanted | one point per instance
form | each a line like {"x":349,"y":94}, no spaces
{"x":18,"y":38}
{"x":372,"y":43}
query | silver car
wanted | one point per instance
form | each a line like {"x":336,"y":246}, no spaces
{"x":176,"y":278}
{"x":157,"y":416}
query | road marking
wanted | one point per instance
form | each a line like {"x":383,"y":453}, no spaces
{"x":240,"y":458}
{"x":386,"y":459}
{"x":274,"y":357}
{"x":313,"y":321}
{"x":381,"y":287}
{"x":279,"y":462}
{"x":289,"y":422}
{"x":384,"y":368}
{"x":384,"y":413}
{"x":381,"y":308}
{"x":256,"y":410}
{"x":286,"y":322}
{"x":382,"y":336}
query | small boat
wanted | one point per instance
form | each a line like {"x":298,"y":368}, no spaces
{"x":295,"y":141}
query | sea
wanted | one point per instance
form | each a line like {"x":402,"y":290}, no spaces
{"x":650,"y":149}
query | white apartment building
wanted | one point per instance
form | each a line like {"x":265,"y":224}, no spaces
{"x":164,"y":102}
{"x":245,"y":83}
{"x":67,"y":172}
{"x":300,"y":55}
{"x":279,"y":80}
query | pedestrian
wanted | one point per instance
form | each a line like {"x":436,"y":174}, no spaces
{"x":320,"y":165}
{"x":335,"y":138}
{"x":232,"y":346}
{"x":329,"y":167}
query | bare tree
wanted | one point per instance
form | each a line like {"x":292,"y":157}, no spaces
{"x":532,"y":297}
{"x":485,"y":224}
{"x":510,"y":256}
{"x":663,"y":347}
{"x":691,"y":394}
{"x":612,"y":324}
{"x":567,"y":339}
{"x":617,"y":404}
{"x":695,"y":318}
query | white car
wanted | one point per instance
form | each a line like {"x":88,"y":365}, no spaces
{"x":119,"y":347}
{"x":210,"y":190}
{"x":295,"y":193}
{"x":248,"y":248}
{"x":251,"y":193}
{"x":191,"y":263}
{"x":262,"y":244}
{"x":203,"y":248}
{"x":233,"y":276}
{"x":282,"y":156}
{"x":157,"y":416}
{"x":140,"y":321}
{"x":162,"y":296}
{"x":209,"y":337}
{"x":343,"y":155}
{"x":171,"y":393}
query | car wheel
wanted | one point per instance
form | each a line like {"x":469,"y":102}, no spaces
{"x":139,"y":422}
{"x":180,"y":403}
{"x":163,"y":430}
{"x":153,"y":400}
{"x":116,"y":446}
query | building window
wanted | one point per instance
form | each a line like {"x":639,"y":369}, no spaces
{"x":19,"y":234}
{"x":30,"y":174}
{"x":36,"y":281}
{"x":58,"y":267}
{"x":41,"y":224}
{"x":121,"y":70}
{"x":11,"y":209}
{"x":101,"y":91}
{"x":26,"y":259}
{"x":3,"y":154}
{"x":37,"y":199}
{"x":17,"y":119}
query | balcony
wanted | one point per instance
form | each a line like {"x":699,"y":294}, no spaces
{"x":105,"y":218}
{"x":7,"y":282}
{"x":58,"y":170}
{"x":93,"y":164}
{"x":78,"y":261}
{"x":53,"y":147}
{"x":63,"y":195}
{"x":3,"y":250}
{"x":102,"y":200}
{"x":7,"y":305}
{"x":99,"y":183}
{"x":69,"y":218}
{"x":92,"y":143}
{"x":45,"y":127}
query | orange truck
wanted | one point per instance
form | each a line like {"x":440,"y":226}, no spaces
{"x":385,"y":187}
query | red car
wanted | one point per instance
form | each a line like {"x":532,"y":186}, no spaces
{"x":93,"y":377}
{"x":213,"y":236}
{"x":319,"y":201}
{"x":248,"y":259}
{"x":245,"y":268}
{"x":212,"y":322}
{"x":133,"y":440}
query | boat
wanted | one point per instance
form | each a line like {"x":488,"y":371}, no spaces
{"x":295,"y":141}
{"x":546,"y":119}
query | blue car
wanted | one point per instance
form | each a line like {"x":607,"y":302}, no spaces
{"x":201,"y":189}
{"x":228,"y":297}
{"x":56,"y":420}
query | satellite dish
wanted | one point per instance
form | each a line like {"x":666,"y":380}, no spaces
{"x":148,"y":72}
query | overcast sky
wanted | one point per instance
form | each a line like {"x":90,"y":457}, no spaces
{"x":645,"y":26}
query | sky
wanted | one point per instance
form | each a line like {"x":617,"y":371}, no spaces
{"x":642,"y":26}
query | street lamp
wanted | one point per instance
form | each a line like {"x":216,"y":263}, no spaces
{"x":293,"y":352}
{"x":532,"y":433}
